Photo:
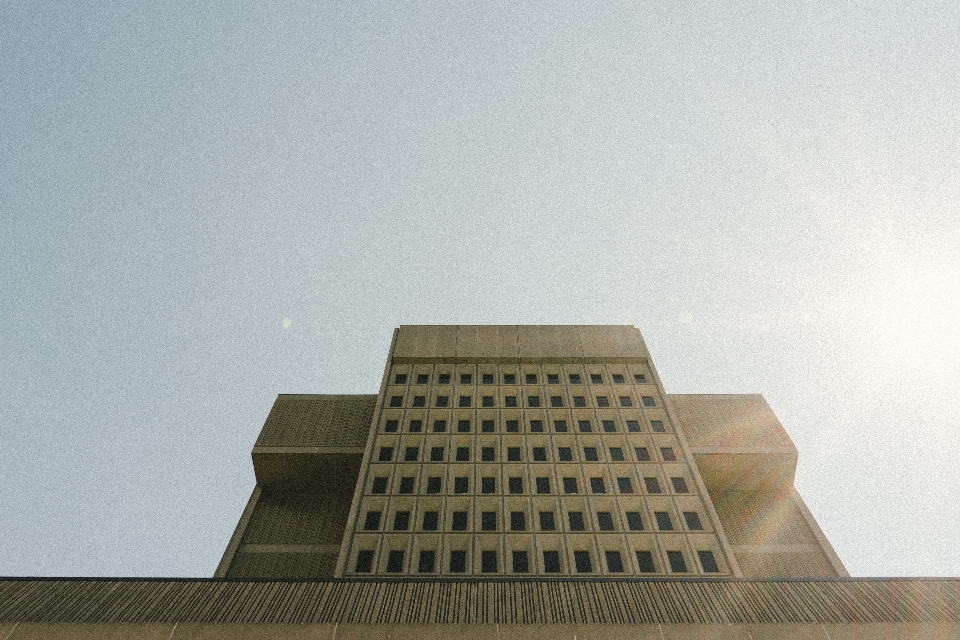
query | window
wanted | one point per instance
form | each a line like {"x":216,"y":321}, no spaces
{"x":639,"y":378}
{"x":584,"y":426}
{"x":543,"y":485}
{"x":556,"y":401}
{"x":416,"y":426}
{"x":614,"y":562}
{"x":693,"y":521}
{"x":604,"y":521}
{"x":431,"y":520}
{"x":553,"y":378}
{"x":487,"y":401}
{"x":575,"y":378}
{"x":602,"y":401}
{"x":443,"y":401}
{"x":436,"y":454}
{"x":677,"y":565}
{"x":609,"y":426}
{"x":536,"y":426}
{"x":515,"y":485}
{"x":657,"y":425}
{"x":634,"y":523}
{"x":510,"y":401}
{"x":645,"y":560}
{"x":531,"y":378}
{"x":463,"y":426}
{"x":642,"y":454}
{"x":575,"y":518}
{"x":459,"y":521}
{"x":406,"y":485}
{"x":618,"y":378}
{"x":520,"y":562}
{"x":401,"y":521}
{"x":419,"y":401}
{"x":518,"y":521}
{"x":570,"y":485}
{"x":564,"y":454}
{"x":533,"y":401}
{"x":439,"y":426}
{"x":486,"y":378}
{"x":625,"y":401}
{"x":596,"y":378}
{"x":396,"y":401}
{"x":633,"y":426}
{"x":433,"y":485}
{"x":379,"y":485}
{"x":463,"y":454}
{"x":708,"y":562}
{"x":464,"y":401}
{"x":372,"y":522}
{"x":488,"y":521}
{"x":590,"y":454}
{"x":488,"y":485}
{"x":395,"y":562}
{"x":513,"y":426}
{"x":616,"y":454}
{"x":513,"y":454}
{"x":668,"y":454}
{"x":486,"y":454}
{"x":679,"y":485}
{"x":443,"y":378}
{"x":539,"y":454}
{"x":560,"y":426}
{"x":392,"y":426}
{"x":428,"y":561}
{"x":509,"y":378}
{"x":400,"y":378}
{"x":423,"y":378}
{"x":663,"y":521}
{"x":458,"y":562}
{"x":461,"y":485}
{"x":488,"y":561}
{"x":648,"y":401}
{"x":466,"y":378}
{"x":386,"y":454}
{"x":486,"y":426}
{"x":624,"y":485}
{"x":581,"y":559}
{"x":597,"y":486}
{"x":547,"y":522}
{"x":410,"y":454}
{"x":653,"y":485}
{"x":551,"y":561}
{"x":364,"y":562}
{"x":579,"y":401}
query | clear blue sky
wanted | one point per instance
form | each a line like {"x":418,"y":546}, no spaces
{"x":770,"y":193}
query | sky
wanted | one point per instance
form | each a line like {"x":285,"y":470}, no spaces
{"x":203,"y":205}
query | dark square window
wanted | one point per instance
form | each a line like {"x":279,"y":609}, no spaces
{"x":395,"y":562}
{"x":677,"y":564}
{"x":597,"y":486}
{"x":364,"y":562}
{"x":487,"y":426}
{"x":590,"y":454}
{"x":386,"y":454}
{"x":406,"y":485}
{"x":509,"y":378}
{"x":564,"y":454}
{"x":581,"y":559}
{"x":570,"y":485}
{"x":486,"y":454}
{"x":520,"y":562}
{"x":433,"y":485}
{"x":560,"y":426}
{"x":439,"y":426}
{"x":428,"y":561}
{"x":463,"y":426}
{"x":645,"y":561}
{"x":609,"y":426}
{"x":584,"y":426}
{"x":648,"y":401}
{"x":423,"y":378}
{"x":663,"y":521}
{"x":553,"y":378}
{"x":518,"y":521}
{"x":639,"y":378}
{"x":515,"y":485}
{"x":642,"y":454}
{"x":443,"y":378}
{"x":579,"y":401}
{"x":431,"y":520}
{"x":488,"y":485}
{"x":604,"y":521}
{"x":708,"y":562}
{"x":624,"y":485}
{"x":466,"y":378}
{"x":443,"y":401}
{"x":400,"y":378}
{"x":401,"y":521}
{"x":602,"y":401}
{"x":459,"y":521}
{"x":536,"y":426}
{"x":463,"y":454}
{"x":543,"y":485}
{"x":461,"y":485}
{"x":634,"y":523}
{"x":488,"y":521}
{"x":633,"y":426}
{"x":531,"y":378}
{"x":668,"y":454}
{"x":679,"y":485}
{"x":513,"y":454}
{"x":533,"y":401}
{"x":436,"y":454}
{"x":657,"y":425}
{"x":616,"y":454}
{"x":458,"y":562}
{"x":556,"y":401}
{"x":539,"y":454}
{"x":379,"y":485}
{"x":547,"y":521}
{"x":513,"y":426}
{"x":416,"y":426}
{"x":625,"y":401}
{"x":487,"y":401}
{"x":392,"y":426}
{"x":396,"y":401}
{"x":464,"y":401}
{"x":372,"y":522}
{"x":614,"y":562}
{"x":486,"y":378}
{"x":596,"y":378}
{"x":551,"y":561}
{"x":510,"y":401}
{"x":575,"y":518}
{"x":693,"y":521}
{"x":488,"y":561}
{"x":419,"y":401}
{"x":653,"y":485}
{"x":410,"y":454}
{"x":618,"y":378}
{"x":575,"y":378}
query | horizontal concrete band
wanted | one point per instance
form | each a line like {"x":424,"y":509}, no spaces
{"x":518,"y":360}
{"x":291,"y":548}
{"x":624,"y":601}
{"x":790,"y":451}
{"x":309,"y":450}
{"x":776,"y":548}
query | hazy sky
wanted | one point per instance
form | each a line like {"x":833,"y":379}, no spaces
{"x":770,"y":193}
